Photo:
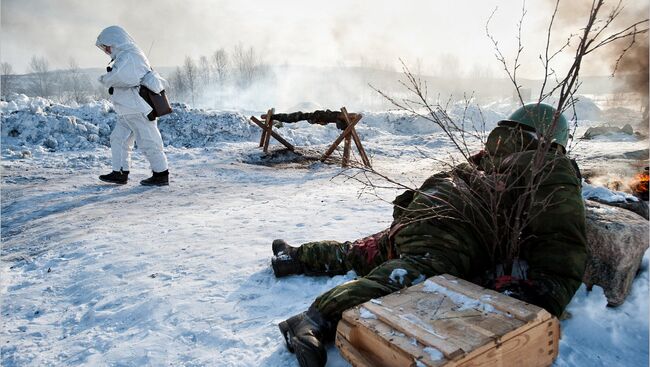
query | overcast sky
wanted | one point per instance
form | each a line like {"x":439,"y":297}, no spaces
{"x":321,"y":33}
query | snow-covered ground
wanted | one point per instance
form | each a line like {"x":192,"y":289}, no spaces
{"x":94,"y":274}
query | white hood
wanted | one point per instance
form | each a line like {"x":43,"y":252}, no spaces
{"x":129,"y":68}
{"x":118,"y":39}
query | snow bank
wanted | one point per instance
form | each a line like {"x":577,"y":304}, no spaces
{"x":30,"y":123}
{"x":33,"y":122}
{"x":191,"y":128}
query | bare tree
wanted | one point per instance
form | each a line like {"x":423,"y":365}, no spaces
{"x":6,"y":78}
{"x":177,"y":82}
{"x":41,"y":81}
{"x":205,"y":72}
{"x":77,"y":84}
{"x":488,"y":203}
{"x":190,"y":72}
{"x":248,"y":65}
{"x":449,"y":66}
{"x":220,"y":65}
{"x":596,"y":34}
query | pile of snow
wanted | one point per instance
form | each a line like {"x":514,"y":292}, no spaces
{"x":32,"y":123}
{"x":604,"y":194}
{"x":38,"y":122}
{"x":190,"y":128}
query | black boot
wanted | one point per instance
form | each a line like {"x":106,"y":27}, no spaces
{"x":285,"y":262}
{"x":158,"y":179}
{"x":305,"y":334}
{"x":116,"y":177}
{"x":280,"y":247}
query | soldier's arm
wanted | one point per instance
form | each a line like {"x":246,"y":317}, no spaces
{"x":556,"y":249}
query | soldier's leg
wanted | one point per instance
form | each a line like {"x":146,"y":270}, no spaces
{"x":331,"y":257}
{"x":306,"y":333}
{"x":387,"y":278}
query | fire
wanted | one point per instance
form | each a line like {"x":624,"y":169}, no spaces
{"x":639,"y":185}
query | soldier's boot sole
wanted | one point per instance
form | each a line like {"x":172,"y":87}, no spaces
{"x":309,"y":355}
{"x":120,"y":182}
{"x":308,"y":349}
{"x":286,"y":328}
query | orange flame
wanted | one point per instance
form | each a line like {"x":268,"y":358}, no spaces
{"x":639,"y":184}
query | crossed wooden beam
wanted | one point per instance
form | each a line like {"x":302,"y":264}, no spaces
{"x":348,"y":135}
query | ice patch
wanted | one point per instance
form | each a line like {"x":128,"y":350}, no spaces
{"x":421,"y":278}
{"x":366,"y":314}
{"x":434,"y":353}
{"x":463,"y":302}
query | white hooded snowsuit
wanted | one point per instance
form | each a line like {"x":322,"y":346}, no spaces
{"x":129,"y":68}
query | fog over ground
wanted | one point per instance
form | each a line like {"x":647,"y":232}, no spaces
{"x":320,"y":54}
{"x":286,"y":31}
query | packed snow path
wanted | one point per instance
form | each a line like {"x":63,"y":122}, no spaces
{"x":98,"y":274}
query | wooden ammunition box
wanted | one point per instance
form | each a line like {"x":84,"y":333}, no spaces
{"x":446,"y":321}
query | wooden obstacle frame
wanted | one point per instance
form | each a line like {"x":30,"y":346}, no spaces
{"x":346,"y":137}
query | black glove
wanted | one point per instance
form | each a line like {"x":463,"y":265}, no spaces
{"x":109,"y":69}
{"x":110,"y":91}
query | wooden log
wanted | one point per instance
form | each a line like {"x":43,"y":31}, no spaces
{"x":355,"y":136}
{"x":269,"y":130}
{"x":340,"y":117}
{"x":338,"y":140}
{"x":273,"y":134}
{"x":263,"y":137}
{"x":346,"y":151}
{"x":362,"y":152}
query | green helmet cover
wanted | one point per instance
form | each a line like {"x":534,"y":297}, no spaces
{"x":539,"y":116}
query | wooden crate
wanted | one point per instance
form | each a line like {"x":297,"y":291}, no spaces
{"x":446,"y":321}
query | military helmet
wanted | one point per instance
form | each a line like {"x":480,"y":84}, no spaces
{"x":539,"y":116}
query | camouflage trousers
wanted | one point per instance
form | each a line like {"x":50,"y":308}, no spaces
{"x":335,"y":258}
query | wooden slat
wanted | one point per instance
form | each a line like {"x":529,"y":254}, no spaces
{"x":351,"y":354}
{"x":440,"y":316}
{"x":499,"y":301}
{"x":378,"y":351}
{"x":379,"y":329}
{"x":529,"y":348}
{"x":414,"y":330}
{"x":274,"y":134}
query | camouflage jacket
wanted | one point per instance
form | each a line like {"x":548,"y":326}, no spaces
{"x":470,"y":216}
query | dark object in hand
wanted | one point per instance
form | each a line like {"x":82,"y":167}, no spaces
{"x":109,"y":69}
{"x":158,"y":102}
{"x":110,"y":91}
{"x":523,"y":290}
